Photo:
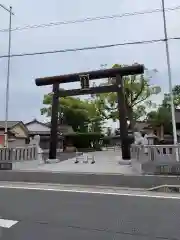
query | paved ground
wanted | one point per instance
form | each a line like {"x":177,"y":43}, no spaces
{"x":105,"y":162}
{"x":74,"y":214}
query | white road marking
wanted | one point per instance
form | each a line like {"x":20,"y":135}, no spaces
{"x":102,"y":192}
{"x":7,"y":223}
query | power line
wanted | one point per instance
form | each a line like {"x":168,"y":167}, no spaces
{"x":100,"y":18}
{"x":90,"y":48}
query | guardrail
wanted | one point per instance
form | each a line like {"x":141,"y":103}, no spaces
{"x":144,"y":153}
{"x":18,"y":154}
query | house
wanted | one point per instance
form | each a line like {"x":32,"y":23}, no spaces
{"x":17,"y":133}
{"x":159,"y":130}
{"x":36,"y":127}
{"x":64,"y":129}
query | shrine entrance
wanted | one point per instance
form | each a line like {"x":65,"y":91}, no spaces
{"x":84,"y":78}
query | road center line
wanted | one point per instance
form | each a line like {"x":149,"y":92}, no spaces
{"x":89,"y":191}
{"x":7,"y":223}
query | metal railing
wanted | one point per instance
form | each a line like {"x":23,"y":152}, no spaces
{"x":18,"y":154}
{"x":144,"y":153}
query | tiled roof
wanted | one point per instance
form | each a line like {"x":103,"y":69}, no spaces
{"x":43,"y":133}
{"x":9,"y":123}
{"x":40,"y":132}
{"x":36,"y":121}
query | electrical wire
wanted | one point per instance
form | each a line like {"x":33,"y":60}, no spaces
{"x":90,"y":48}
{"x":89,"y":19}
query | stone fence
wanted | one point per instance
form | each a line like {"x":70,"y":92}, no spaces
{"x":156,"y":159}
{"x":155,"y":152}
{"x":18,"y":154}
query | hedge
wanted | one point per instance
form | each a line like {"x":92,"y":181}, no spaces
{"x":83,"y":140}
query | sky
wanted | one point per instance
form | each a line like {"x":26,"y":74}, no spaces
{"x":26,"y":98}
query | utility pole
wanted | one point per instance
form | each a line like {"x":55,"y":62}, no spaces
{"x":9,"y":10}
{"x":170,"y":79}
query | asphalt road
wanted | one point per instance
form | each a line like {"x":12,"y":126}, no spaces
{"x":49,"y":215}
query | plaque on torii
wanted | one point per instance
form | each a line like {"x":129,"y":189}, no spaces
{"x":84,"y":80}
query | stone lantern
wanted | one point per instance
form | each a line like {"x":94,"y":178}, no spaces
{"x":150,"y":136}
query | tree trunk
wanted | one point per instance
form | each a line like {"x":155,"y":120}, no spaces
{"x":131,"y":118}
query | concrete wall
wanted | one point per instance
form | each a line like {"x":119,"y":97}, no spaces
{"x":19,"y":142}
{"x":88,"y":179}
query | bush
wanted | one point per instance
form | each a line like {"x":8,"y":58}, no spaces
{"x":83,"y":140}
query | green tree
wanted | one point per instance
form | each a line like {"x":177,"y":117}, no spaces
{"x":137,"y":91}
{"x":161,"y":117}
{"x":176,"y":95}
{"x":95,"y":115}
{"x":82,"y":115}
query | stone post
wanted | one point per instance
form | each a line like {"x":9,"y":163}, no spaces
{"x":150,"y":141}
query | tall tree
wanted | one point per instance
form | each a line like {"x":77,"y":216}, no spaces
{"x":137,"y":91}
{"x":82,"y":115}
{"x":176,"y":95}
{"x":162,"y":116}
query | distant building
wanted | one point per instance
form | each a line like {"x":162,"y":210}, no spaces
{"x":159,"y":130}
{"x":36,"y":127}
{"x":143,"y":126}
{"x":17,"y":133}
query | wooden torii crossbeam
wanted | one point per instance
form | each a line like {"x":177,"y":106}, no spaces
{"x":84,"y":77}
{"x":98,"y":74}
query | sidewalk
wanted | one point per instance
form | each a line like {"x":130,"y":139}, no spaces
{"x":106,"y":171}
{"x":105,"y":162}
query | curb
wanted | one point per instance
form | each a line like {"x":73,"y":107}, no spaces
{"x":114,"y":180}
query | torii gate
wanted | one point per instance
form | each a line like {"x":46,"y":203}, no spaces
{"x":84,"y":78}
